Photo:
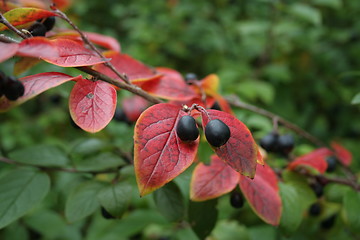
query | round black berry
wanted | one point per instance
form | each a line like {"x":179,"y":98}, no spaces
{"x":37,"y":29}
{"x":236,"y":199}
{"x":318,"y":189}
{"x":332,"y":162}
{"x":191,"y":77}
{"x":217,"y":133}
{"x":270,"y":142}
{"x":13,"y":89}
{"x":328,"y":222}
{"x":48,"y":22}
{"x":120,"y":116}
{"x":2,"y":83}
{"x":106,"y":214}
{"x":216,"y":106}
{"x":315,"y":209}
{"x":286,"y":143}
{"x":186,"y":129}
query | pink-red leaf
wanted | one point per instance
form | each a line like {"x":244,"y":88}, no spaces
{"x":241,"y":151}
{"x":36,"y":84}
{"x":170,"y":86}
{"x":20,"y":16}
{"x":212,"y":181}
{"x":344,"y":155}
{"x":262,"y":193}
{"x":134,"y":106}
{"x":92,"y":104}
{"x":315,"y":160}
{"x":159,"y":155}
{"x":7,"y":50}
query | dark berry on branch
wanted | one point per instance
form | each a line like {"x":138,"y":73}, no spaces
{"x":286,"y":143}
{"x":217,"y":133}
{"x":49,"y":22}
{"x":2,"y":83}
{"x":216,"y":106}
{"x":331,"y":161}
{"x":315,"y":209}
{"x":120,"y":116}
{"x":37,"y":30}
{"x":191,"y":77}
{"x":186,"y":129}
{"x":270,"y":142}
{"x":13,"y":89}
{"x":328,"y":222}
{"x":106,"y":214}
{"x":318,"y":189}
{"x":236,"y":199}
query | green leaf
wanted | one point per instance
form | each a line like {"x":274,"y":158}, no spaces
{"x":88,"y":146}
{"x":82,"y":201}
{"x":185,"y":234}
{"x":352,"y":209}
{"x":203,"y":217}
{"x":229,"y":230}
{"x":336,"y":4}
{"x":170,"y":202}
{"x":115,"y":198}
{"x":20,"y":190}
{"x":356,"y":99}
{"x":99,"y":162}
{"x":306,"y":13}
{"x":41,"y":155}
{"x":15,"y":231}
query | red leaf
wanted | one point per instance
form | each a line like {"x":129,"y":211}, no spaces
{"x":212,"y":181}
{"x":136,"y":71}
{"x":37,"y":47}
{"x":92,"y":104}
{"x":159,"y":155}
{"x":315,"y":159}
{"x":240,"y":151}
{"x":8,"y":50}
{"x":36,"y":84}
{"x":170,"y":86}
{"x":344,"y":156}
{"x":262,"y":193}
{"x":133,"y":107}
{"x":20,"y":16}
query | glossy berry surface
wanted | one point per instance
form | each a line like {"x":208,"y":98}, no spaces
{"x":49,"y":22}
{"x":285,"y":143}
{"x":270,"y":142}
{"x":332,"y":162}
{"x":191,"y":77}
{"x":236,"y":200}
{"x":13,"y":89}
{"x":328,"y":222}
{"x":315,"y":209}
{"x":186,"y":129}
{"x":217,"y":133}
{"x":318,"y":189}
{"x":106,"y":214}
{"x":37,"y":30}
{"x":216,"y":106}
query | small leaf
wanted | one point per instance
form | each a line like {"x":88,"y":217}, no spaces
{"x":115,"y":198}
{"x":306,"y":12}
{"x":351,"y":209}
{"x":170,"y":202}
{"x":34,"y":85}
{"x":41,"y":155}
{"x":212,"y":181}
{"x":356,"y":99}
{"x":159,"y":155}
{"x":241,"y":151}
{"x":92,"y":104}
{"x":20,"y":190}
{"x":203,"y":217}
{"x":262,"y":193}
{"x":102,"y":161}
{"x":20,"y":16}
{"x":344,"y":156}
{"x":8,"y":50}
{"x":82,"y":201}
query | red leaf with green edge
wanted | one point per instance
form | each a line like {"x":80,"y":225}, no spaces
{"x":344,"y":156}
{"x":7,"y":50}
{"x":170,"y":86}
{"x":36,"y":84}
{"x":136,"y":71}
{"x":241,"y":151}
{"x":262,"y":193}
{"x":92,"y":104}
{"x":315,"y":160}
{"x":212,"y":181}
{"x":133,"y":107}
{"x":20,"y":16}
{"x":159,"y":155}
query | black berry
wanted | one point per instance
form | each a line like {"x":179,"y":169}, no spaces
{"x":37,"y":29}
{"x":186,"y":129}
{"x":328,"y":222}
{"x":120,"y":116}
{"x":315,"y":209}
{"x":55,"y":99}
{"x":236,"y":199}
{"x":332,"y":162}
{"x":216,"y":106}
{"x":2,"y":83}
{"x":217,"y":133}
{"x":318,"y":189}
{"x":48,"y":22}
{"x":106,"y":214}
{"x":286,"y":143}
{"x":191,"y":77}
{"x":13,"y":89}
{"x":270,"y":142}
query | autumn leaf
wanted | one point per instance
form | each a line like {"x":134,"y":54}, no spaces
{"x":262,"y":193}
{"x":344,"y":156}
{"x":212,"y":181}
{"x":159,"y":155}
{"x":7,"y":50}
{"x":92,"y":104}
{"x":133,"y":107}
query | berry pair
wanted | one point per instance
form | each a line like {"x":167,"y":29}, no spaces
{"x":41,"y":26}
{"x":217,"y":133}
{"x":10,"y":87}
{"x":273,"y":142}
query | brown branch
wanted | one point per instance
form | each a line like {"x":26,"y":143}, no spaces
{"x":4,"y":21}
{"x":234,"y":101}
{"x":6,"y":39}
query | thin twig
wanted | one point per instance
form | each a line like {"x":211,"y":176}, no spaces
{"x":4,"y":21}
{"x":234,"y":101}
{"x":6,"y":39}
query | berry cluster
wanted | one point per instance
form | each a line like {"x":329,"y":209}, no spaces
{"x":10,"y":87}
{"x":217,"y":133}
{"x":41,"y":26}
{"x":273,"y":142}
